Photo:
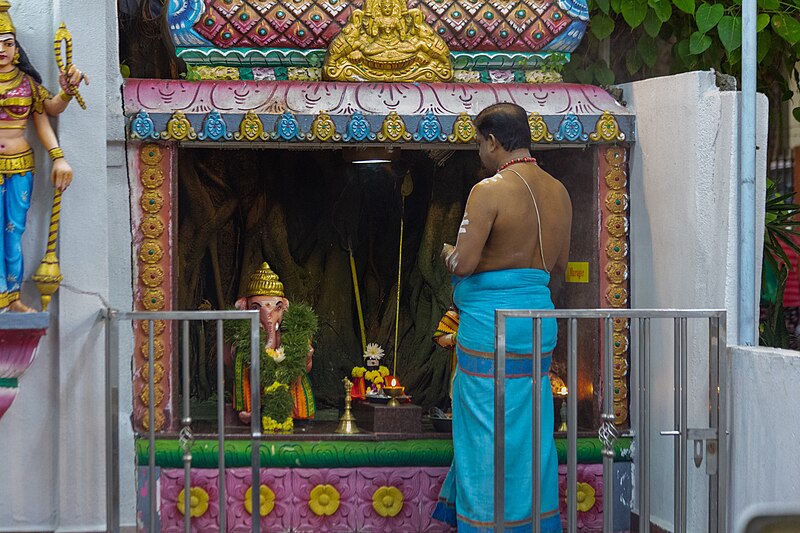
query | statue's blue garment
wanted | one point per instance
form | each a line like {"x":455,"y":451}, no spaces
{"x":467,"y":496}
{"x":15,"y":199}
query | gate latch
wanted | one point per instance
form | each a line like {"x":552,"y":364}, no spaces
{"x":707,"y":436}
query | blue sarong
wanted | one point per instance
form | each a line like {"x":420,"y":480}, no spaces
{"x":15,"y":199}
{"x":467,"y":495}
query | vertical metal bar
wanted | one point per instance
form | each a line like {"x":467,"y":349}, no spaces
{"x":536,"y":427}
{"x":678,"y":457}
{"x":724,"y":426}
{"x":186,"y":422}
{"x":255,"y":422}
{"x":499,"y":421}
{"x":572,"y":425}
{"x":112,"y":421}
{"x":713,"y":417}
{"x":221,"y":422}
{"x":608,"y":403}
{"x":747,"y":318}
{"x":644,"y":425}
{"x":151,"y":425}
{"x":684,"y":420}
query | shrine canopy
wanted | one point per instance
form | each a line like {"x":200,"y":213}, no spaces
{"x":346,"y":113}
{"x":371,"y":71}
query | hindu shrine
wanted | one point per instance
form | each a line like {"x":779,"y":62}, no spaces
{"x":310,"y":166}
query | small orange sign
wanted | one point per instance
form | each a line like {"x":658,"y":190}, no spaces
{"x":577,"y":272}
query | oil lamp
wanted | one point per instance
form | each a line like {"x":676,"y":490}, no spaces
{"x":393,"y":390}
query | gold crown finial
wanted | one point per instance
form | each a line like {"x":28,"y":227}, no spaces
{"x":6,"y":24}
{"x":263,"y":282}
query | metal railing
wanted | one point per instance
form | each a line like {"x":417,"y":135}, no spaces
{"x":711,"y":439}
{"x":186,"y":439}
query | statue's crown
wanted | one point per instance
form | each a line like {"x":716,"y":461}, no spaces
{"x":263,"y":282}
{"x":6,"y":24}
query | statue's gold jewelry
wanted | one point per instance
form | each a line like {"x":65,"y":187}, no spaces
{"x":264,"y":282}
{"x":56,"y":153}
{"x":15,"y":61}
{"x":6,"y":24}
{"x":64,"y":63}
{"x":16,"y":163}
{"x":64,"y":96}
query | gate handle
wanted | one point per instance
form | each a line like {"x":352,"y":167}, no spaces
{"x":671,"y":433}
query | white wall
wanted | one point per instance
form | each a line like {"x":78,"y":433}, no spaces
{"x":53,"y":437}
{"x":765,"y":429}
{"x":684,"y":207}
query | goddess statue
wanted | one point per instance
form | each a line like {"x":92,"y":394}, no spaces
{"x":22,"y":97}
{"x":387,"y":42}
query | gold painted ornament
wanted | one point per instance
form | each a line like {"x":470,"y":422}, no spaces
{"x":617,"y":296}
{"x":617,"y":225}
{"x":152,"y":177}
{"x":152,"y":201}
{"x":152,"y":227}
{"x":153,"y":299}
{"x":158,"y":372}
{"x":616,"y":179}
{"x":152,"y":276}
{"x":158,"y":394}
{"x":179,"y":128}
{"x":323,"y":129}
{"x":539,"y":131}
{"x":160,"y":419}
{"x":617,"y":249}
{"x":151,"y":251}
{"x":617,"y":272}
{"x":251,"y":128}
{"x":607,"y":129}
{"x":150,"y":154}
{"x":264,"y":282}
{"x":158,"y":349}
{"x":463,"y":130}
{"x":393,"y":129}
{"x":617,"y":202}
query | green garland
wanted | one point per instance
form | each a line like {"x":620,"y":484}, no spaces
{"x":297,"y":327}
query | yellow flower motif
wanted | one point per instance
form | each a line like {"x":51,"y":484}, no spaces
{"x":585,"y":497}
{"x":198,"y":502}
{"x":275,"y":386}
{"x":273,"y":426}
{"x":358,"y":371}
{"x":266,"y":500}
{"x":372,"y":374}
{"x":387,"y":501}
{"x":383,"y":371}
{"x":378,"y":380}
{"x":324,"y":500}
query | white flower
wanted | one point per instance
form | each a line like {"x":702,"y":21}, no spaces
{"x":373,"y":351}
{"x":277,"y":355}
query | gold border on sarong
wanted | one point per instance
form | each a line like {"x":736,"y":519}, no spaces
{"x":8,"y":298}
{"x":17,"y":163}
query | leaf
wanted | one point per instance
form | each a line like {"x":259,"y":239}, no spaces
{"x":708,"y":15}
{"x":763,"y":43}
{"x":648,"y":50}
{"x":699,"y":43}
{"x":615,"y":5}
{"x":663,"y":9}
{"x":769,"y":5}
{"x":787,"y":27}
{"x":633,"y":61}
{"x":603,"y":5}
{"x":683,"y":53}
{"x":601,"y":25}
{"x":796,"y":113}
{"x":730,"y":32}
{"x":584,"y":76}
{"x":633,"y":11}
{"x":762,"y":21}
{"x":687,"y":6}
{"x":652,"y":24}
{"x":603,"y":74}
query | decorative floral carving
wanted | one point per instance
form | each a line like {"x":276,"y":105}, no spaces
{"x":202,"y":503}
{"x":323,"y":129}
{"x":463,"y":130}
{"x":158,"y":349}
{"x":158,"y":372}
{"x":616,"y":179}
{"x":142,"y":126}
{"x":620,"y":324}
{"x":620,"y":367}
{"x":150,"y":154}
{"x":571,"y":129}
{"x":160,"y":419}
{"x":287,"y":128}
{"x":214,"y":127}
{"x":617,"y":225}
{"x":151,"y":251}
{"x":152,"y":275}
{"x":358,"y":129}
{"x":617,"y":202}
{"x":617,"y":272}
{"x":152,"y":177}
{"x":152,"y":227}
{"x":620,"y":343}
{"x":590,"y":496}
{"x":250,"y":129}
{"x":323,"y":500}
{"x":539,"y":131}
{"x":393,"y":129}
{"x":615,"y":156}
{"x":158,"y":327}
{"x":387,"y":501}
{"x":429,"y":129}
{"x":607,"y":129}
{"x":158,"y":394}
{"x":617,"y":249}
{"x":152,"y":201}
{"x":179,"y":128}
{"x":617,"y":296}
{"x":153,"y":299}
{"x":266,"y":499}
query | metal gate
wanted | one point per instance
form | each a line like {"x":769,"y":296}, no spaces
{"x":709,"y":443}
{"x":113,"y":319}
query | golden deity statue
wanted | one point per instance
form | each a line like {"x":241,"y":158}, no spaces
{"x":387,"y":42}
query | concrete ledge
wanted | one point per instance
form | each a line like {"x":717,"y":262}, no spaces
{"x":21,"y":321}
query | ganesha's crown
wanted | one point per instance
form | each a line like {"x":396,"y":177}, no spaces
{"x":264,"y":282}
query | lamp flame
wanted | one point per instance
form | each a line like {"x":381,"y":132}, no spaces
{"x":394,"y":382}
{"x":562,"y":391}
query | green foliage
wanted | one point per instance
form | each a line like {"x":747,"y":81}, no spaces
{"x":277,"y":403}
{"x":659,"y":37}
{"x":780,"y":225}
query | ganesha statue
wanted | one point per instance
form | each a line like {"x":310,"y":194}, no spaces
{"x":265,"y":294}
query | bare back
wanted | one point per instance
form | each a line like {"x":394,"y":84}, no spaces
{"x":500,"y":228}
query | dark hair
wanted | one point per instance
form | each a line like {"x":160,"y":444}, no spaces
{"x":26,"y":66}
{"x":508,"y":123}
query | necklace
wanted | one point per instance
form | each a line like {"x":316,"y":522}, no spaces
{"x":515,"y":161}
